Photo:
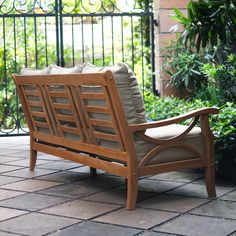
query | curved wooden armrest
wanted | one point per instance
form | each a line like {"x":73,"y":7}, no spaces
{"x":173,"y":120}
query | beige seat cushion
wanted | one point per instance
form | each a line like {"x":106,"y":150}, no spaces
{"x":172,"y":153}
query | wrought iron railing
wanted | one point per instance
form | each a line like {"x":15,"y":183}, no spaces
{"x":37,"y":33}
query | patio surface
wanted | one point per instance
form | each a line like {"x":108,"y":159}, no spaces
{"x":62,"y":198}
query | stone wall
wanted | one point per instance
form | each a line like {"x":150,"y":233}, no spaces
{"x":162,"y":11}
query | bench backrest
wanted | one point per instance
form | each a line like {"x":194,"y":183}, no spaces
{"x":79,"y":111}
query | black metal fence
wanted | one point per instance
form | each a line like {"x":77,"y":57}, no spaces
{"x":37,"y":33}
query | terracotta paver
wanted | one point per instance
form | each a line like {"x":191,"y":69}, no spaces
{"x":23,"y":154}
{"x":30,"y":185}
{"x":25,"y":173}
{"x":81,"y":209}
{"x":225,"y":209}
{"x":64,"y":176}
{"x":7,"y":234}
{"x":183,"y":177}
{"x":5,"y":194}
{"x":36,"y":224}
{"x":171,"y":203}
{"x":198,"y":190}
{"x":72,"y":190}
{"x":7,"y":213}
{"x":198,"y":226}
{"x":59,"y":165}
{"x":156,"y":186}
{"x":96,"y":229}
{"x":25,"y":162}
{"x":62,"y":198}
{"x":115,"y":196}
{"x":105,"y":181}
{"x":152,"y":233}
{"x":7,"y":168}
{"x":44,"y":156}
{"x":140,"y":218}
{"x":8,"y":179}
{"x":6,"y":159}
{"x":230,"y":196}
{"x":32,"y":201}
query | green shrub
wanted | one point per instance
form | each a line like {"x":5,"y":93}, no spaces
{"x":166,"y":107}
{"x":208,"y":22}
{"x":184,"y":67}
{"x":222,"y":125}
{"x":224,"y":79}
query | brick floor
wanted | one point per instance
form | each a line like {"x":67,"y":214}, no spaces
{"x":62,"y":198}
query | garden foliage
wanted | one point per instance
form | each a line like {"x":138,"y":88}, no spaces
{"x":203,"y":61}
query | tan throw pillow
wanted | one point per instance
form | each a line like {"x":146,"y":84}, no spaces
{"x":64,"y":70}
{"x":29,"y":71}
{"x":131,"y":96}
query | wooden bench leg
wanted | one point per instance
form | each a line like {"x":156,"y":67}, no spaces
{"x":210,"y":181}
{"x":33,"y":155}
{"x":132,"y":192}
{"x":33,"y":159}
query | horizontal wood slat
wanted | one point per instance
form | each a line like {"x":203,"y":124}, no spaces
{"x":97,"y":109}
{"x":62,"y":106}
{"x":38,"y":114}
{"x":80,"y":158}
{"x":68,"y":129}
{"x":90,"y":148}
{"x":57,"y":94}
{"x":65,"y":118}
{"x":105,"y":136}
{"x":34,"y":104}
{"x":173,"y":166}
{"x":78,"y":79}
{"x":99,"y":96}
{"x":31,"y":93}
{"x":41,"y":124}
{"x":103,"y":123}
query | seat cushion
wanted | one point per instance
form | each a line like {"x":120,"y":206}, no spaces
{"x":130,"y":94}
{"x":194,"y":137}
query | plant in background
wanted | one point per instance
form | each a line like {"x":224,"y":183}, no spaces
{"x":211,"y":27}
{"x":184,"y":67}
{"x":222,"y":125}
{"x":209,"y":22}
{"x":225,"y":78}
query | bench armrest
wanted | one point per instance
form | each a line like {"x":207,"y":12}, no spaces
{"x":177,"y":119}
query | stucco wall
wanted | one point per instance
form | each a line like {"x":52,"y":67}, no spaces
{"x":162,"y":11}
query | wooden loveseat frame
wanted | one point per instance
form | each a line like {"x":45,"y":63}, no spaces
{"x":59,"y":110}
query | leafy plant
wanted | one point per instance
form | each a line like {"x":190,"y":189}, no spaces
{"x":222,"y":125}
{"x":223,"y":79}
{"x":209,"y":22}
{"x":184,"y":67}
{"x":225,"y":131}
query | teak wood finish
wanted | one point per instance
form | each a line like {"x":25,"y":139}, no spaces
{"x":56,"y":107}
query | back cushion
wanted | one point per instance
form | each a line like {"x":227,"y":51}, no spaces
{"x":52,"y":69}
{"x":29,"y":71}
{"x":129,"y":90}
{"x":63,"y":70}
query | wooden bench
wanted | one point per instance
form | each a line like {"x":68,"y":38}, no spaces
{"x":81,"y":117}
